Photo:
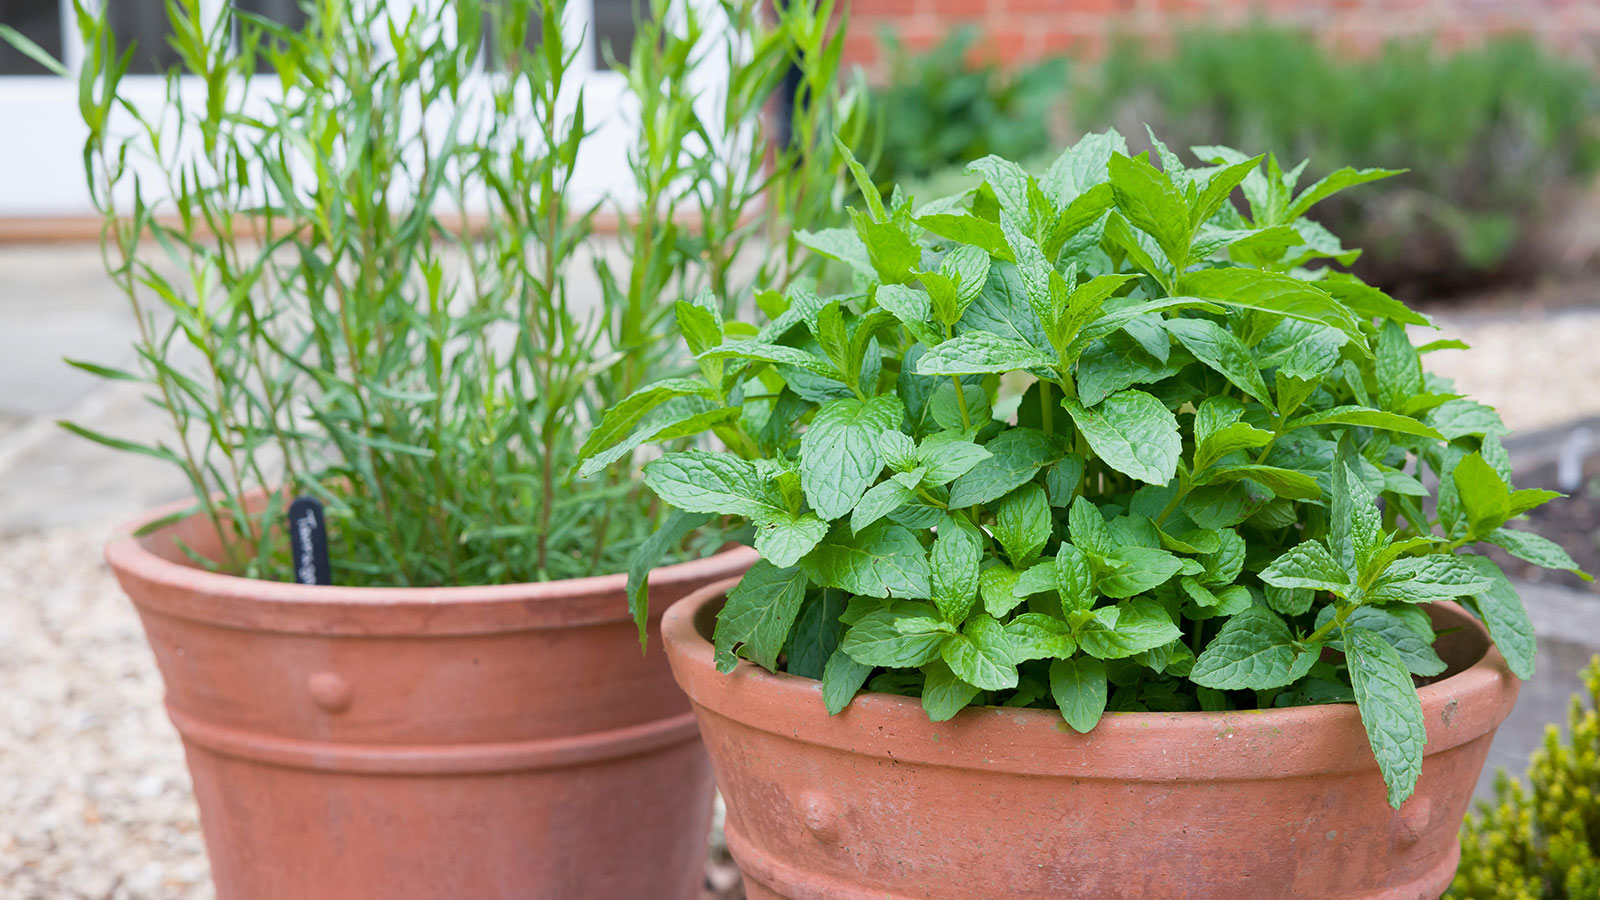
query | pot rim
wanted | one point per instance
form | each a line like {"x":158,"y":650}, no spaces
{"x":1131,"y":746}
{"x":190,"y":592}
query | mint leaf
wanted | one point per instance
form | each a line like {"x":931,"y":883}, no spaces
{"x":884,"y":560}
{"x":1415,"y":648}
{"x":1153,"y":205}
{"x":943,"y":693}
{"x":949,"y":459}
{"x":1117,"y":632}
{"x":759,"y":612}
{"x":1039,"y":636}
{"x":1484,"y":496}
{"x":1310,"y":566}
{"x":1254,"y":651}
{"x":1078,"y":686}
{"x":953,"y":566}
{"x":875,"y":640}
{"x":782,"y":541}
{"x":1530,"y":547}
{"x":839,"y":454}
{"x":997,"y":586}
{"x":1390,"y":710}
{"x":842,"y":677}
{"x":879,"y":501}
{"x":1333,"y":183}
{"x":1423,"y":579}
{"x":718,"y":483}
{"x":979,"y":352}
{"x":1022,"y":523}
{"x":1285,"y":483}
{"x":1133,"y":433}
{"x":1074,"y":579}
{"x":1369,"y":418}
{"x":1218,"y":349}
{"x":1141,"y":569}
{"x":1272,"y":293}
{"x":981,"y":654}
{"x":1506,"y":618}
{"x":1015,"y":456}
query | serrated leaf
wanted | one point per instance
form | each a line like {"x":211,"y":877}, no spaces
{"x":1023,"y":523}
{"x":875,"y":640}
{"x":981,"y":654}
{"x":1424,"y":579}
{"x":879,"y":501}
{"x":884,"y":560}
{"x":1074,"y":578}
{"x":760,"y":610}
{"x":1078,"y":686}
{"x":1272,"y":293}
{"x":947,"y":459}
{"x":1220,"y":350}
{"x":1133,"y":433}
{"x":1285,"y":483}
{"x":980,"y":352}
{"x":1153,"y":205}
{"x":1332,"y":183}
{"x":1039,"y":636}
{"x":1415,"y":650}
{"x":1117,"y":632}
{"x":1505,"y":616}
{"x":1015,"y":456}
{"x":953,"y":569}
{"x":1254,"y":651}
{"x":783,"y":541}
{"x":1367,"y":418}
{"x":943,"y":693}
{"x":1390,"y":710}
{"x":839,"y":454}
{"x":842,"y":677}
{"x":1537,"y":549}
{"x":1309,"y":566}
{"x":702,"y":482}
{"x":997,"y":586}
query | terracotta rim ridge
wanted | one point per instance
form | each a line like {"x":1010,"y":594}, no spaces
{"x":1129,"y":746}
{"x":193,"y":593}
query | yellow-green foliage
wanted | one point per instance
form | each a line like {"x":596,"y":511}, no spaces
{"x":1541,"y":842}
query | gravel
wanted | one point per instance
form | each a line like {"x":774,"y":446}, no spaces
{"x":1539,"y":368}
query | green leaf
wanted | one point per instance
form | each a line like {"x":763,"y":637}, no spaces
{"x":669,"y":428}
{"x":1463,"y":418}
{"x":648,"y":555}
{"x":718,"y":483}
{"x":760,"y":610}
{"x":784,"y":541}
{"x":777,"y":354}
{"x":968,"y":230}
{"x":884,"y":560}
{"x":1040,"y":636}
{"x":943,"y":693}
{"x":1229,"y":439}
{"x":1142,"y":569}
{"x":839,"y":455}
{"x":953,"y":568}
{"x":842,"y":677}
{"x":912,"y":307}
{"x":1485,"y":498}
{"x":816,"y":633}
{"x":1273,"y":293}
{"x":1082,"y":166}
{"x":1424,"y":579}
{"x":1015,"y":456}
{"x":1310,"y":566}
{"x":1368,"y":418}
{"x":842,"y":244}
{"x":1254,"y":651}
{"x":1286,"y":483}
{"x":1008,"y":181}
{"x":1133,"y":433}
{"x":1539,"y":550}
{"x":1219,"y":186}
{"x":1331,"y":184}
{"x":1505,"y":616}
{"x":947,"y":459}
{"x":1023,"y":523}
{"x":33,"y":51}
{"x":1398,"y":367}
{"x":1151,"y":203}
{"x":1079,"y":688}
{"x":876,"y":641}
{"x":1220,"y":350}
{"x":1117,"y":632}
{"x":1390,"y":710}
{"x":1415,"y":649}
{"x":980,"y":352}
{"x":997,"y":586}
{"x":981,"y":654}
{"x":879,"y":501}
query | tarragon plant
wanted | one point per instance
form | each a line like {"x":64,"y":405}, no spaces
{"x":354,"y":250}
{"x":1100,"y":440}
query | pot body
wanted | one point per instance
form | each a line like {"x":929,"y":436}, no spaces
{"x":878,"y":803}
{"x":428,"y":743}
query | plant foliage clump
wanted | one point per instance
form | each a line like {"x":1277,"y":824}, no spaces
{"x":354,"y":252}
{"x":1102,"y":440}
{"x":1541,"y":841}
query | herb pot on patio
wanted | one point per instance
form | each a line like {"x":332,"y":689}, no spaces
{"x":878,"y":802}
{"x":479,"y":742}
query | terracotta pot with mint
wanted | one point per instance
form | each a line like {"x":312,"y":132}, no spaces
{"x":362,"y":260}
{"x":1116,"y":545}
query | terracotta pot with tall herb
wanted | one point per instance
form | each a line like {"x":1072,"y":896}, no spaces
{"x":1115,"y":544}
{"x":356,"y":253}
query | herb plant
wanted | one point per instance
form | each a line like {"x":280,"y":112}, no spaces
{"x":354,"y":252}
{"x":1097,"y":440}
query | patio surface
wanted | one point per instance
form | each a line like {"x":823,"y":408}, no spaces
{"x":94,"y":799}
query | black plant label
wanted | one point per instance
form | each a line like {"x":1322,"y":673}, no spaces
{"x":308,"y":539}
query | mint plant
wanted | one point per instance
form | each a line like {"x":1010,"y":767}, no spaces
{"x":1098,"y":439}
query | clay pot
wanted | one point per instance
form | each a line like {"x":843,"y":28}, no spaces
{"x":878,"y":803}
{"x":467,"y":743}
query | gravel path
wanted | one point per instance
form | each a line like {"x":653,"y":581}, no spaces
{"x":1539,"y":368}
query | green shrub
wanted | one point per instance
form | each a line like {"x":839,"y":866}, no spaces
{"x":940,"y":109}
{"x":1494,"y":135}
{"x":1101,"y":439}
{"x":1541,"y":841}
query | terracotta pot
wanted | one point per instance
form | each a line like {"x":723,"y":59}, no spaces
{"x":878,"y":803}
{"x":464,"y":743}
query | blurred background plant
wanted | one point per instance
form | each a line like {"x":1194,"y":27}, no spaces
{"x":1540,"y":840}
{"x":354,"y":278}
{"x":1501,"y":138}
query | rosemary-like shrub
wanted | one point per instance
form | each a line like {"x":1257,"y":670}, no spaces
{"x":356,"y":273}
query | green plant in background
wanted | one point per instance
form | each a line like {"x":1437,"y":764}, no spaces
{"x":940,"y":109}
{"x":1499,"y":134}
{"x":354,"y":274}
{"x":1541,"y":841}
{"x":1101,"y":440}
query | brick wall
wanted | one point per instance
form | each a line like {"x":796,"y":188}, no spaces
{"x":1019,"y":30}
